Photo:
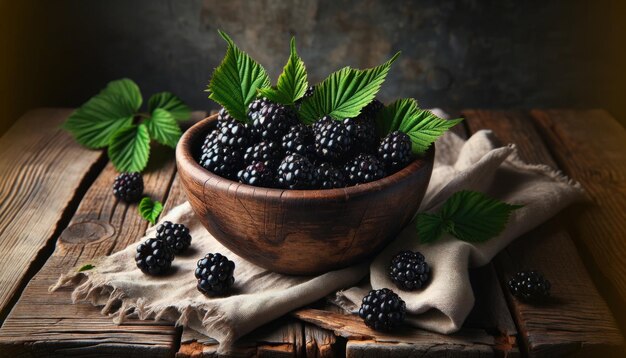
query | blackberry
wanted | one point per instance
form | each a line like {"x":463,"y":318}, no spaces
{"x":267,"y":152}
{"x":362,"y":132}
{"x":222,"y":160}
{"x":309,"y":92}
{"x":332,"y":141}
{"x":409,"y":271}
{"x":223,"y":117}
{"x":299,"y":140}
{"x":214,"y":274}
{"x":176,"y":236}
{"x":382,"y":310}
{"x":273,"y":121}
{"x":529,"y":286}
{"x":320,"y":123}
{"x":255,"y":107}
{"x":372,"y":109}
{"x":395,"y":151}
{"x":257,"y":174}
{"x":154,"y":257}
{"x":362,"y":169}
{"x":330,"y":177}
{"x":128,"y":187}
{"x":210,"y":140}
{"x":296,"y":172}
{"x":235,"y":134}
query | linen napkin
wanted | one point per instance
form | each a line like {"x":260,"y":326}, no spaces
{"x":260,"y":296}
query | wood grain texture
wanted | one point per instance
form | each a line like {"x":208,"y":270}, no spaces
{"x":279,"y":229}
{"x":42,"y":169}
{"x":578,"y":321}
{"x":591,"y":147}
{"x":43,"y":323}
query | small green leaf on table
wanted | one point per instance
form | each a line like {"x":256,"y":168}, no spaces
{"x":235,"y":81}
{"x":130,"y":148}
{"x":162,"y":127}
{"x":467,"y":215}
{"x":150,"y":210}
{"x":292,"y":82}
{"x":344,"y":93}
{"x":171,"y":103}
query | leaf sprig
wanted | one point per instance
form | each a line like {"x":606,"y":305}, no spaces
{"x":150,"y":210}
{"x":112,"y":118}
{"x":467,"y":215}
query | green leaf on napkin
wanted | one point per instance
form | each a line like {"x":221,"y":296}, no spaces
{"x":467,"y":215}
{"x":235,"y":81}
{"x":292,"y":82}
{"x":150,"y":210}
{"x":344,"y":93}
{"x":86,"y":267}
{"x":422,"y":126}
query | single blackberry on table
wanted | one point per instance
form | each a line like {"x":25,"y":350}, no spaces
{"x":299,"y":140}
{"x":364,"y":168}
{"x":154,"y":257}
{"x":362,"y":132}
{"x":257,"y":174}
{"x":210,"y":140}
{"x":273,"y":121}
{"x":267,"y":152}
{"x":222,"y":160}
{"x":235,"y":134}
{"x":409,"y":271}
{"x":255,"y":107}
{"x":215,"y":274}
{"x":382,"y":310}
{"x":330,"y":177}
{"x":529,"y":286}
{"x":332,"y":141}
{"x":128,"y":187}
{"x":296,"y":172}
{"x":395,"y":151}
{"x":176,"y":236}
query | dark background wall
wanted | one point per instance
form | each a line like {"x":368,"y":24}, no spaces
{"x":456,"y":54}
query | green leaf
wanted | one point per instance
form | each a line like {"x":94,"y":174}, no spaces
{"x":292,"y":82}
{"x":468,"y":215}
{"x":422,"y":126}
{"x":171,"y":103}
{"x":130,"y":148}
{"x":163,"y":128}
{"x":429,"y":227}
{"x":86,"y":267}
{"x":95,"y":122}
{"x":150,"y":210}
{"x":235,"y":81}
{"x":344,"y":93}
{"x":125,"y":88}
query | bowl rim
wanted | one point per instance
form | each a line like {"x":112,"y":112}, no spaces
{"x":186,"y":162}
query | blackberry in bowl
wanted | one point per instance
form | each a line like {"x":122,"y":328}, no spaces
{"x":296,"y":231}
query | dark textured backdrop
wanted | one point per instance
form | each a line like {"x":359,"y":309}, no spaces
{"x":500,"y":53}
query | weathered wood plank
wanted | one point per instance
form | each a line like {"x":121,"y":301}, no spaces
{"x":43,"y":323}
{"x":579,"y":321}
{"x":43,"y":170}
{"x":591,"y":147}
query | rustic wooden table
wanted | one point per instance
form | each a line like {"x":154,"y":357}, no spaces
{"x":57,"y":211}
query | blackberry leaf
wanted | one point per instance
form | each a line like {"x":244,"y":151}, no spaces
{"x":163,"y":127}
{"x":130,"y":148}
{"x":150,"y":210}
{"x":127,"y":89}
{"x":344,"y":93}
{"x":171,"y":103}
{"x":422,"y":126}
{"x":96,"y":121}
{"x":86,"y":267}
{"x":235,"y":81}
{"x":429,"y":227}
{"x":292,"y":83}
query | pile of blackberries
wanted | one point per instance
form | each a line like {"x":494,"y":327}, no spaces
{"x":275,"y":150}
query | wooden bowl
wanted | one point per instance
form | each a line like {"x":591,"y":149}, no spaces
{"x":300,"y":231}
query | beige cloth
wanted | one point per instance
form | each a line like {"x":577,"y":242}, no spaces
{"x":260,"y":296}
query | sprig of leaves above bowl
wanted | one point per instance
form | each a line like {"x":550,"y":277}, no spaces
{"x":113,"y":119}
